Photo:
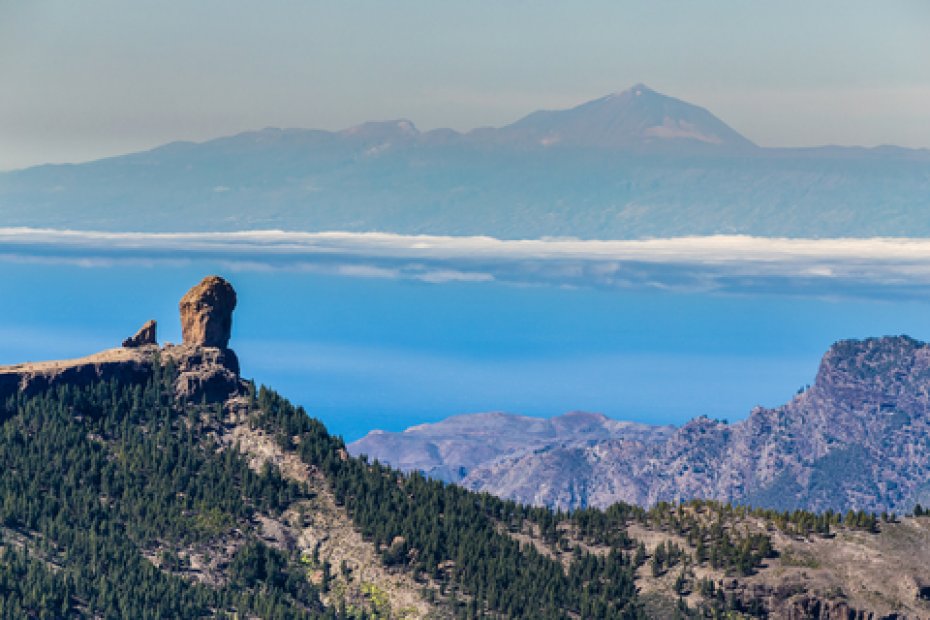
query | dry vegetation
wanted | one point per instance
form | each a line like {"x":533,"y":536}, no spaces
{"x":328,"y":542}
{"x":850,"y":570}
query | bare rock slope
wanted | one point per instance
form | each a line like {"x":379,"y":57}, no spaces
{"x":451,"y":449}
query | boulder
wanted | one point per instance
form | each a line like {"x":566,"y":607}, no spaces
{"x":206,"y":313}
{"x":145,"y":336}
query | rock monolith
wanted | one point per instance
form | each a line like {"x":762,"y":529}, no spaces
{"x":206,"y":313}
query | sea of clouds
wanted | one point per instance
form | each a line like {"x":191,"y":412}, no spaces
{"x":737,"y":264}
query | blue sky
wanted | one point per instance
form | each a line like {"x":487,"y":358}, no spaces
{"x":100,"y":77}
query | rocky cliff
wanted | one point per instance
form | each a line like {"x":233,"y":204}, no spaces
{"x":207,"y":369}
{"x":858,"y":438}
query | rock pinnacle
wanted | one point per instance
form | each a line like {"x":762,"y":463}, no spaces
{"x":206,"y":313}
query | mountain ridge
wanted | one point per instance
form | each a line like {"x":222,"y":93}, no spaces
{"x":449,"y":449}
{"x":612,"y":170}
{"x":868,"y":406}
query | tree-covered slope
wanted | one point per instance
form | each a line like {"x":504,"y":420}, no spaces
{"x":119,"y":500}
{"x":102,"y":483}
{"x":116,"y":500}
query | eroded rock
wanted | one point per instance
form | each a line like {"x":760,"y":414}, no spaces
{"x":207,"y":374}
{"x":145,"y":336}
{"x":207,"y":371}
{"x":206,"y":313}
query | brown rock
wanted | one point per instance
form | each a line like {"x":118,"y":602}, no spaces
{"x":206,"y":313}
{"x":145,"y":335}
{"x":207,"y":370}
{"x":205,"y":374}
{"x":122,"y":365}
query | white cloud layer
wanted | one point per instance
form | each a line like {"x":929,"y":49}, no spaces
{"x":876,"y":266}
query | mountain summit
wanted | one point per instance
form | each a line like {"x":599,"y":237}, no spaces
{"x":634,"y":118}
{"x":207,"y":370}
{"x":630,"y":165}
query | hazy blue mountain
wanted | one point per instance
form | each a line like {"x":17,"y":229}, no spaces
{"x":636,"y":118}
{"x":449,"y":449}
{"x":632,"y":164}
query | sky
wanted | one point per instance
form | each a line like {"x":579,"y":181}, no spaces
{"x":84,"y":80}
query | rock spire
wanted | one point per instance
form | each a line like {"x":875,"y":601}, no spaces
{"x":145,"y":336}
{"x":206,"y":313}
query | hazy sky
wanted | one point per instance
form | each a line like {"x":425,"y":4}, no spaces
{"x":81,"y":80}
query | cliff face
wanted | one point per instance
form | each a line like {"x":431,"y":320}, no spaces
{"x":858,"y":438}
{"x":123,"y":364}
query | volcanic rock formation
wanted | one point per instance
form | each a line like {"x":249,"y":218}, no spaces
{"x":208,"y":371}
{"x":206,"y":313}
{"x":145,"y":336}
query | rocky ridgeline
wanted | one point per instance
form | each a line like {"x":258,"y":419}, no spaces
{"x":207,"y":369}
{"x":858,"y":438}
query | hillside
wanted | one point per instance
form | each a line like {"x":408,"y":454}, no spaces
{"x":190,"y":493}
{"x":629,"y":165}
{"x":152,"y":481}
{"x":857,"y":438}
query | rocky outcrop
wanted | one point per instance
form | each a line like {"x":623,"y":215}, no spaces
{"x":206,"y":313}
{"x":145,"y":336}
{"x":797,"y":603}
{"x":122,"y":365}
{"x":207,"y":370}
{"x":206,"y":374}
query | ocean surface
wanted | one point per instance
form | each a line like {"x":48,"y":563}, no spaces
{"x":361,"y":350}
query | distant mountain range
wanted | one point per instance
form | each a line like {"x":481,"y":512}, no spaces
{"x":858,"y":438}
{"x":450,"y":449}
{"x":629,"y":165}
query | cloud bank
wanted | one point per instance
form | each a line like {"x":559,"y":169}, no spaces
{"x":861,"y":267}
